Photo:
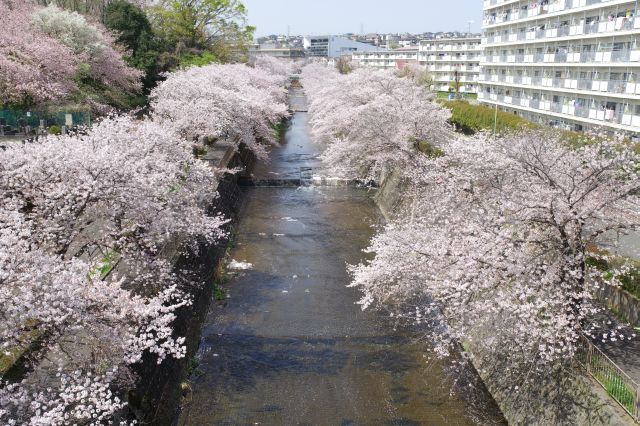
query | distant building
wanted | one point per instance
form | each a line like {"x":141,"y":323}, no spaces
{"x":449,"y":58}
{"x":386,"y":59}
{"x":277,"y":52}
{"x":334,"y":46}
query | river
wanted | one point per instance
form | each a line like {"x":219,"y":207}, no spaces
{"x":289,"y":346}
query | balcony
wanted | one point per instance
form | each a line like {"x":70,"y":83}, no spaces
{"x":564,"y":31}
{"x":620,"y":56}
{"x":560,"y":57}
{"x":556,"y":107}
{"x":540,"y":10}
{"x":587,"y":56}
{"x":581,"y":111}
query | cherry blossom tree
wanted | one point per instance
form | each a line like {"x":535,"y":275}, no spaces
{"x":34,"y":67}
{"x":88,"y":223}
{"x":44,"y":51}
{"x":280,"y":67}
{"x":236,"y":102}
{"x":92,"y":43}
{"x":371,"y":121}
{"x":72,"y":205}
{"x":492,"y":250}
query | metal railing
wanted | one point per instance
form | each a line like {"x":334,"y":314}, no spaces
{"x":620,"y":55}
{"x":616,"y":382}
{"x":581,"y":111}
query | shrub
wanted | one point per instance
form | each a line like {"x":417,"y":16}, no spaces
{"x":199,"y":60}
{"x":54,"y":130}
{"x":428,"y":149}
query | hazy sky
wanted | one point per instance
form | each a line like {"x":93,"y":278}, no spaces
{"x":316,"y":17}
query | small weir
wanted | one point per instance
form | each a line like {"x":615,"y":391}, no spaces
{"x":289,"y":345}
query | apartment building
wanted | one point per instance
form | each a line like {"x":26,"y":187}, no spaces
{"x":568,"y":63}
{"x":450,"y":60}
{"x":386,"y":59}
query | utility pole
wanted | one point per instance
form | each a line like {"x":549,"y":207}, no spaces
{"x":469,"y":24}
{"x":495,"y":121}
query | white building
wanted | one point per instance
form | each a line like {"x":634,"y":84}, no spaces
{"x":386,"y":59}
{"x":448,"y":59}
{"x":570,"y":63}
{"x":333,"y":46}
{"x":277,"y":52}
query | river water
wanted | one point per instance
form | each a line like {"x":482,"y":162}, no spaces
{"x":289,"y":346}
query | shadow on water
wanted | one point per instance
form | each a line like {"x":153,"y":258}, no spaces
{"x":290,"y":345}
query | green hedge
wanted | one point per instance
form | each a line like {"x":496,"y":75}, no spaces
{"x":470,"y":119}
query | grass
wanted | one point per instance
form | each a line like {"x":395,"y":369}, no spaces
{"x":280,"y":129}
{"x":445,"y":95}
{"x":428,"y":149}
{"x":220,"y":277}
{"x":615,"y":385}
{"x":470,"y":119}
{"x":219,"y":293}
{"x":105,"y":265}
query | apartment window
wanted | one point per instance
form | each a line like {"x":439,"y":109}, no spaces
{"x":592,"y":20}
{"x":605,"y":47}
{"x":618,"y":46}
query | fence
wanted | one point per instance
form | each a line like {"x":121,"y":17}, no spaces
{"x":616,"y":382}
{"x":20,"y":118}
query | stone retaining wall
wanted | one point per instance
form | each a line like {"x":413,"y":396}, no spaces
{"x":157,"y":397}
{"x":622,"y":303}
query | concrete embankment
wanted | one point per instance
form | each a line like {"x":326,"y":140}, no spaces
{"x":157,"y":397}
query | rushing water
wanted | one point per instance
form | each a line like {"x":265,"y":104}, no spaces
{"x":290,"y":346}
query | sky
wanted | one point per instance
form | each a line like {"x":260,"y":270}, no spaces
{"x":320,"y":17}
